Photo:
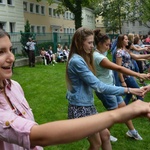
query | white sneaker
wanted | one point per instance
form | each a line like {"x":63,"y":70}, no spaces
{"x":135,"y":135}
{"x":113,"y":139}
{"x":54,"y":62}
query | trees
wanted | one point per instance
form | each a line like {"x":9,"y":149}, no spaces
{"x":140,"y":9}
{"x":26,"y":34}
{"x":113,"y":13}
{"x":75,"y":6}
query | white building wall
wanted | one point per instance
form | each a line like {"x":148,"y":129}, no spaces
{"x":136,"y":28}
{"x":12,"y":14}
{"x":88,"y":18}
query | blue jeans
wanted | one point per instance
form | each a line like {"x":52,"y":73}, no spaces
{"x":131,"y":82}
{"x":116,"y":78}
{"x":110,"y":102}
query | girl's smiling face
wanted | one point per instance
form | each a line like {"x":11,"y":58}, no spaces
{"x":6,"y":58}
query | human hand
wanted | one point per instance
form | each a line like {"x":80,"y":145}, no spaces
{"x":139,"y":91}
{"x":146,"y":88}
{"x":144,"y":76}
{"x":141,"y":108}
{"x":133,"y":110}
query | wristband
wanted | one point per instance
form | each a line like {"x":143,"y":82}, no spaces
{"x":128,"y":90}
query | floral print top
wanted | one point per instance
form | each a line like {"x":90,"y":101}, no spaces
{"x":126,"y":59}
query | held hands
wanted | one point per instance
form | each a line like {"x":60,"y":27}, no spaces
{"x":146,"y":88}
{"x":144,"y":76}
{"x":139,"y":91}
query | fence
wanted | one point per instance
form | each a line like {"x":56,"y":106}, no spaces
{"x":45,"y":40}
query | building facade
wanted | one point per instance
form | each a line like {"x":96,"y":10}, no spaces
{"x":44,"y":19}
{"x":99,"y":24}
{"x":11,"y":15}
{"x":136,"y":27}
{"x":88,"y":18}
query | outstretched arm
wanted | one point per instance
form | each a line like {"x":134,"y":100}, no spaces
{"x":140,"y":57}
{"x":66,"y":131}
{"x":106,"y":63}
{"x":139,"y":48}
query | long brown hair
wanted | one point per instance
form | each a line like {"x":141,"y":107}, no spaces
{"x":79,"y":37}
{"x":100,"y":37}
{"x":120,"y":41}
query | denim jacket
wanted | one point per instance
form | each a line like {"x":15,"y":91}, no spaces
{"x":84,"y":82}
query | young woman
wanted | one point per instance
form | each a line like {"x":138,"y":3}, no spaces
{"x":104,"y":73}
{"x":124,"y":58}
{"x":50,"y":51}
{"x":19,"y":131}
{"x":81,"y":82}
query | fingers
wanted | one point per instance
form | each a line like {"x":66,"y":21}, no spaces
{"x":143,"y":108}
{"x":145,"y":76}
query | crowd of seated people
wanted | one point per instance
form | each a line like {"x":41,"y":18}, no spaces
{"x":49,"y":57}
{"x":62,"y":53}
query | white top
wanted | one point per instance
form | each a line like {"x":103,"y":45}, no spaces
{"x":105,"y":75}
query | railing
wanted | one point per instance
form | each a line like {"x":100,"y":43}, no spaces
{"x":52,"y":39}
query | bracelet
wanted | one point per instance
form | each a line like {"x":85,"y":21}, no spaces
{"x":128,"y":90}
{"x":123,"y":82}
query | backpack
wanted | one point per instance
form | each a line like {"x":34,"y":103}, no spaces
{"x":26,"y":48}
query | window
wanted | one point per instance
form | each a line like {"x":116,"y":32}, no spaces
{"x":9,"y":2}
{"x":67,"y":15}
{"x":42,"y":10}
{"x":38,"y":29}
{"x":127,"y":23}
{"x":1,"y":25}
{"x":50,"y":11}
{"x":65,"y":30}
{"x":43,"y":30}
{"x":1,"y":1}
{"x":71,"y":30}
{"x":54,"y":12}
{"x":140,"y":32}
{"x":133,"y":23}
{"x":37,"y":8}
{"x":32,"y":29}
{"x":140,"y":23}
{"x":12,"y":27}
{"x":25,"y":6}
{"x":31,"y":7}
{"x":70,"y":16}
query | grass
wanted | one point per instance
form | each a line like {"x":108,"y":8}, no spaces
{"x":45,"y":90}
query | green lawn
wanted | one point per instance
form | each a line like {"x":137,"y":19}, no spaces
{"x":45,"y":90}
